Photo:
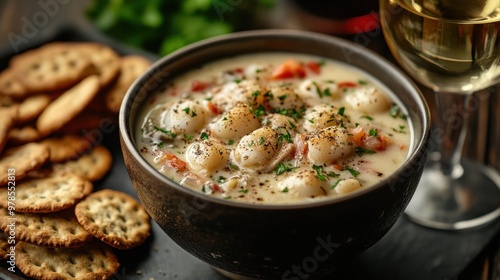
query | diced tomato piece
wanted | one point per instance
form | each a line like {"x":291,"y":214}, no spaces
{"x":238,"y":70}
{"x":357,"y":135}
{"x":198,"y":85}
{"x":213,"y":108}
{"x":315,"y":67}
{"x":288,"y":69}
{"x":338,"y":167}
{"x":174,"y":162}
{"x":347,"y":85}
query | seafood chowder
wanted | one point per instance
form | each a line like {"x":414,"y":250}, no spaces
{"x":274,"y":128}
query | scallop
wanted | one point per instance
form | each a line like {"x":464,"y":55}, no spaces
{"x":279,"y":122}
{"x":329,"y":145}
{"x":313,"y":92}
{"x":347,"y":186}
{"x":206,"y":156}
{"x":304,"y":184}
{"x":368,"y":100}
{"x":323,"y":116}
{"x":285,"y":98}
{"x":256,"y":150}
{"x":235,"y":123}
{"x":185,"y":117}
{"x":246,"y":91}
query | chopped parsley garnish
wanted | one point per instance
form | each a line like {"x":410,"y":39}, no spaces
{"x":396,"y":112}
{"x":167,"y":132}
{"x":401,"y":129}
{"x":282,"y":168}
{"x":291,"y":124}
{"x":232,"y":166}
{"x":203,"y":189}
{"x":311,"y":121}
{"x":237,"y":81}
{"x":187,"y":110}
{"x":362,"y":82}
{"x":327,"y":92}
{"x":204,"y":136}
{"x":227,"y":197}
{"x":353,"y":172}
{"x":283,"y":97}
{"x":341,"y":111}
{"x":333,"y":174}
{"x":230,"y":142}
{"x":221,"y":179}
{"x":209,"y":98}
{"x":269,"y":95}
{"x":318,"y":90}
{"x":160,"y":145}
{"x":243,"y":191}
{"x":262,"y":140}
{"x":255,"y":94}
{"x":373,"y":132}
{"x":193,"y":113}
{"x":188,"y":137}
{"x":336,"y":184}
{"x":367,"y":117}
{"x":319,"y":172}
{"x":260,"y":111}
{"x":362,"y":151}
{"x":285,"y":190}
{"x":287,"y":137}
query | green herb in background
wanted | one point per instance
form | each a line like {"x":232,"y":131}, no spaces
{"x":162,"y":26}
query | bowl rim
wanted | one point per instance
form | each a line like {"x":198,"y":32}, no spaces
{"x":132,"y":92}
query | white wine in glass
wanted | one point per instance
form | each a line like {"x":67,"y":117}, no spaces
{"x":452,"y":47}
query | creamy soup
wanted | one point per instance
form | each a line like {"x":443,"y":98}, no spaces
{"x":274,"y":128}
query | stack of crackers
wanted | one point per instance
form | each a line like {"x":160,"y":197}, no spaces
{"x":50,"y":98}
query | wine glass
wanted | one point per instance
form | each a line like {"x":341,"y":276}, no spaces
{"x":452,"y":47}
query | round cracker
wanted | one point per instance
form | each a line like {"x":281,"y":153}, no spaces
{"x":115,"y":218}
{"x":68,"y":105}
{"x":92,"y":166}
{"x":105,"y":60}
{"x":10,"y":86}
{"x":22,"y":160}
{"x":67,"y":147}
{"x":132,"y":66}
{"x":51,"y":67}
{"x":58,"y":229}
{"x":90,"y":262}
{"x":44,"y":195}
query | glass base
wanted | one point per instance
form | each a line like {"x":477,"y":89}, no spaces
{"x":469,"y":200}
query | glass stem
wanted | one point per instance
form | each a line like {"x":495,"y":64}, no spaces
{"x":451,"y":128}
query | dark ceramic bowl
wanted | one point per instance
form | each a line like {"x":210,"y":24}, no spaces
{"x":271,"y":241}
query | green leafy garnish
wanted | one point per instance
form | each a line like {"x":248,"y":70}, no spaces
{"x":367,"y":117}
{"x":167,"y":132}
{"x":287,"y":137}
{"x":362,"y":151}
{"x":341,"y":111}
{"x":282,"y":168}
{"x":188,"y":137}
{"x":187,"y":109}
{"x":319,"y":172}
{"x":221,"y":179}
{"x":335,"y":184}
{"x":230,"y":142}
{"x":285,"y":190}
{"x":243,"y":191}
{"x":262,"y":140}
{"x":160,"y":144}
{"x":373,"y":132}
{"x":260,"y":111}
{"x":353,"y":172}
{"x":204,"y":136}
{"x":396,"y":112}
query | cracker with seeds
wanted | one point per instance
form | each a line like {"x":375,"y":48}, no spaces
{"x":67,"y":147}
{"x":104,"y":59}
{"x":58,"y":229}
{"x":51,"y":67}
{"x":6,"y":122}
{"x":44,"y":195}
{"x":22,"y":159}
{"x":10,"y":86}
{"x":90,"y":262}
{"x":132,"y":66}
{"x":92,"y":166}
{"x":32,"y":107}
{"x":115,"y":218}
{"x":68,"y":105}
